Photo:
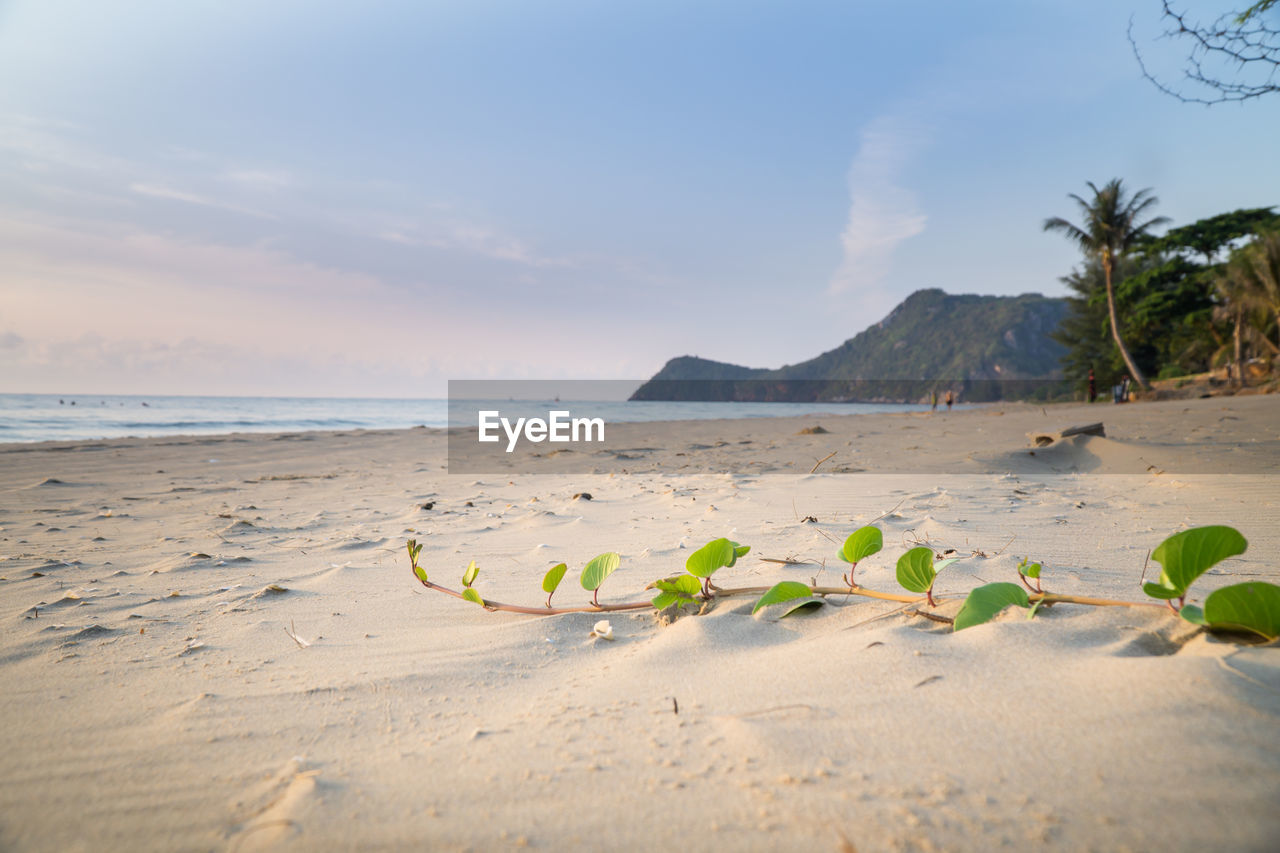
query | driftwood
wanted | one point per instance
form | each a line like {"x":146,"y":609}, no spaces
{"x":1044,"y":439}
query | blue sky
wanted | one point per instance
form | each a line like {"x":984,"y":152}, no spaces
{"x":372,"y":198}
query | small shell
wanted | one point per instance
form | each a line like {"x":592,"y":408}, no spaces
{"x":602,"y":630}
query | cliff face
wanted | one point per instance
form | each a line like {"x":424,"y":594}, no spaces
{"x":931,"y":341}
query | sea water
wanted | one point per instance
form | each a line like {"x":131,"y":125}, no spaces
{"x":53,"y":417}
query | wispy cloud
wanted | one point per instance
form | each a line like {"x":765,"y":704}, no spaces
{"x":882,"y":213}
{"x":163,"y":192}
{"x":475,"y":240}
{"x":259,"y":179}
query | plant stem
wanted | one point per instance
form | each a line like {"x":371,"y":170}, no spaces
{"x":1041,"y":597}
{"x":1054,"y":598}
{"x":544,"y":611}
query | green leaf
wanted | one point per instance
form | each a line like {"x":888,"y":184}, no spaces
{"x":469,"y":576}
{"x":780,"y":592}
{"x":421,"y":573}
{"x":1155,"y":590}
{"x":1029,"y":570}
{"x":716,"y":554}
{"x":663,"y":600}
{"x":1187,"y":555}
{"x":471,"y":595}
{"x":552,"y":578}
{"x":1252,"y":606}
{"x":594,"y":573}
{"x":986,"y":602}
{"x":915,"y":569}
{"x":680,"y":588}
{"x":739,"y":551}
{"x":1194,"y":614}
{"x":811,"y":603}
{"x":862,"y":543}
{"x":687,"y":584}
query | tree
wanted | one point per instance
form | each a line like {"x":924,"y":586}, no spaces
{"x":1174,"y":297}
{"x":1249,"y":285}
{"x":1110,"y":228}
{"x":1234,"y":58}
{"x":1084,"y":329}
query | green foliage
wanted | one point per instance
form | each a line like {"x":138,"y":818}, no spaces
{"x":1029,"y":570}
{"x":1187,"y":555}
{"x":471,"y":595}
{"x":716,"y":554}
{"x":1084,"y":330}
{"x":414,"y":550}
{"x":986,"y":602}
{"x":917,"y":570}
{"x":1165,"y":297}
{"x":680,"y":589}
{"x":595,"y":572}
{"x":1208,"y":237}
{"x":783,"y":591}
{"x":469,"y":576}
{"x":1252,"y":607}
{"x":862,"y":543}
{"x":551,"y":580}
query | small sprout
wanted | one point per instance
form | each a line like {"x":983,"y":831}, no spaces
{"x":414,"y":550}
{"x":469,"y":576}
{"x":1187,"y":555}
{"x":551,"y":580}
{"x":595,"y":572}
{"x":917,"y":571}
{"x":471,"y":595}
{"x":862,"y":543}
{"x":716,"y":554}
{"x":680,"y":589}
{"x":602,"y":630}
{"x":1029,"y":570}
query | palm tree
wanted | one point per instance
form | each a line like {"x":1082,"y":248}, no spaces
{"x":1249,"y":287}
{"x":1110,"y":229}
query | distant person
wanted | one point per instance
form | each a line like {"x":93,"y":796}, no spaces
{"x":951,"y":398}
{"x":1093,"y":387}
{"x":933,"y":401}
{"x":1124,"y":388}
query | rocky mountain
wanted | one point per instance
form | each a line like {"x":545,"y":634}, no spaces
{"x":982,"y":347}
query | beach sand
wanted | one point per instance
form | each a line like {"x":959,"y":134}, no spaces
{"x":215,"y":643}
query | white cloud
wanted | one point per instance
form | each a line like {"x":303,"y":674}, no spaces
{"x":475,"y":240}
{"x":882,"y":213}
{"x":159,"y":191}
{"x":259,"y":179}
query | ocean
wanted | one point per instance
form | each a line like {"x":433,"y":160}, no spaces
{"x":53,"y":417}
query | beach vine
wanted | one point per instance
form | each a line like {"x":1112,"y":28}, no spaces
{"x":1250,"y":608}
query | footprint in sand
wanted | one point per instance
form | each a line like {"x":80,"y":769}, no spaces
{"x":276,"y":809}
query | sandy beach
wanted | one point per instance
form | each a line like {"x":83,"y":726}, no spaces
{"x":216,"y":643}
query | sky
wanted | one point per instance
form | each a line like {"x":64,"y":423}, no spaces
{"x":369,"y":199}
